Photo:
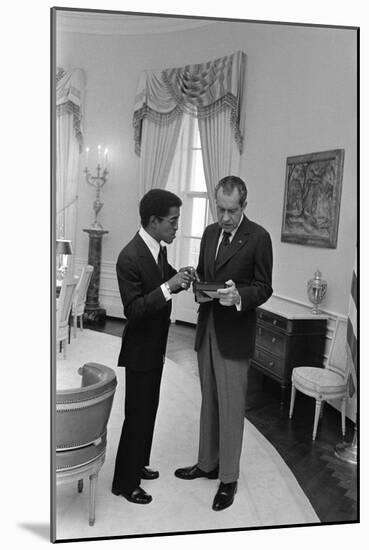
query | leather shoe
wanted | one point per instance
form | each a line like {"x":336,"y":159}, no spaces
{"x":193,"y":472}
{"x":224,"y":496}
{"x":137,"y":496}
{"x":147,"y":473}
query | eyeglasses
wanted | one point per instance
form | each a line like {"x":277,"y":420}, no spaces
{"x":173,"y":221}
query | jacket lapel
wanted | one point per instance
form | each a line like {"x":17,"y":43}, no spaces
{"x":238,"y":241}
{"x":151,"y":267}
{"x":210,"y":252}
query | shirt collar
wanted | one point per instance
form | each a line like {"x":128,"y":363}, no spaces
{"x":151,"y":243}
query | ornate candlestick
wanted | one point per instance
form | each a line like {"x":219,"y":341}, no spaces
{"x":316,"y":290}
{"x":98,"y":182}
{"x":94,"y":313}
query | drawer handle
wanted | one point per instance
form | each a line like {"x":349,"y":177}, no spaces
{"x":261,"y":315}
{"x":271,"y":363}
{"x":274,"y":340}
{"x":274,"y":321}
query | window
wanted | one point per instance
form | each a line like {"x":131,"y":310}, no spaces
{"x":187,"y":180}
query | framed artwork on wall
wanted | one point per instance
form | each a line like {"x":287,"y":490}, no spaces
{"x":312,"y":198}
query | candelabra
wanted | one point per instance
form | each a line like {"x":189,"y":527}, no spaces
{"x":316,"y":290}
{"x":98,"y":182}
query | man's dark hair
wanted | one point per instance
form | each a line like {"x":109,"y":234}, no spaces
{"x":229,"y":183}
{"x":157,"y":202}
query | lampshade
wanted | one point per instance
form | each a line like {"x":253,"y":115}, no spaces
{"x":64,"y":247}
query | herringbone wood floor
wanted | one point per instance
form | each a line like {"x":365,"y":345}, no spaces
{"x":329,"y":483}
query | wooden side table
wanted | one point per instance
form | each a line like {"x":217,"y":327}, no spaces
{"x":287,"y":335}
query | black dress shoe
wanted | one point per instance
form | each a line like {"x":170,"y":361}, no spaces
{"x":193,"y":472}
{"x":224,"y":496}
{"x":147,"y":473}
{"x":137,"y":496}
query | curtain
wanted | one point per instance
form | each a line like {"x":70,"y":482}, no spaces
{"x":69,"y":93}
{"x":212,"y":91}
{"x":220,"y":152}
{"x":158,"y":148}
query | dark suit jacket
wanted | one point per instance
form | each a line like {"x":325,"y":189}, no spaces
{"x":249,"y":264}
{"x":148,"y":313}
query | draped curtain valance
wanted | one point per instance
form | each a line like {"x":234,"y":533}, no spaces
{"x":201,"y":90}
{"x":69,"y":88}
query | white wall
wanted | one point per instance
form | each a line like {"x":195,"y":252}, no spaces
{"x":301,"y":98}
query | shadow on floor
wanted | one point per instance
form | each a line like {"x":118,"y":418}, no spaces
{"x":42,"y":530}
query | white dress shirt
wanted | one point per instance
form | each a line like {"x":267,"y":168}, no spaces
{"x":154,"y":248}
{"x":231,"y":235}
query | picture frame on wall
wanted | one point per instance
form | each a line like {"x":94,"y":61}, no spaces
{"x":312,"y":198}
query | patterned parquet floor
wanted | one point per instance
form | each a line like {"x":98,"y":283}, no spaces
{"x":329,"y":483}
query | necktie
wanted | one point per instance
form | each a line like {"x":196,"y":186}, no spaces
{"x":223,"y":247}
{"x":161,"y":259}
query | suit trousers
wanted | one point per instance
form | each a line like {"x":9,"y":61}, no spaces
{"x":223,"y":386}
{"x":141,"y":404}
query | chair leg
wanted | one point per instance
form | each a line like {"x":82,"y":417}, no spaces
{"x":292,"y":401}
{"x":93,"y":482}
{"x":80,"y":485}
{"x":343,"y":416}
{"x":64,"y":349}
{"x":318,"y":405}
{"x":321,"y":411}
{"x":81,"y":322}
{"x":75,"y":326}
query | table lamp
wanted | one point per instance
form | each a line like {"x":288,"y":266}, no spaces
{"x":63,"y":250}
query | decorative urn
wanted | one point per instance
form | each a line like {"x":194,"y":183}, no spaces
{"x":316,"y":291}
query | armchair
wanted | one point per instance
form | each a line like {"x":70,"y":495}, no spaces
{"x":82,"y":415}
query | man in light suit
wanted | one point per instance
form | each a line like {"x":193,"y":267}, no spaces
{"x":238,"y":252}
{"x":146,"y":283}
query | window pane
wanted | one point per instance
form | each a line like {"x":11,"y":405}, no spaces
{"x":191,"y":251}
{"x":197,"y":173}
{"x":198,"y":221}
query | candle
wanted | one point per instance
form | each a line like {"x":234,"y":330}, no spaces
{"x":99,"y":154}
{"x":87,"y":150}
{"x":106,"y":158}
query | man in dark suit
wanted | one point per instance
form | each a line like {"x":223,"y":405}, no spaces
{"x":238,"y":252}
{"x":146,"y":283}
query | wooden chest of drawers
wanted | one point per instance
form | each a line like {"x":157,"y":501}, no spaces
{"x":287,"y":337}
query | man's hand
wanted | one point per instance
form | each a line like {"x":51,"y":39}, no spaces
{"x":229,"y":296}
{"x":181,"y":280}
{"x":192,"y":272}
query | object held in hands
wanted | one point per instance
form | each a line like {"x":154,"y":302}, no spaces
{"x":209,"y":289}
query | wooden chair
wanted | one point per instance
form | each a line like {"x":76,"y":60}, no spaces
{"x":63,"y":309}
{"x":326,"y":383}
{"x":79,"y":300}
{"x":82,"y":415}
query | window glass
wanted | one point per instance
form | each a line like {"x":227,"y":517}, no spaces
{"x":198,"y":220}
{"x":197,"y":181}
{"x":191,"y":251}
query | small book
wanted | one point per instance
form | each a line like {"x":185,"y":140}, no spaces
{"x":210,"y":289}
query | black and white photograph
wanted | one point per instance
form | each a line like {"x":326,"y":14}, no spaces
{"x":184,"y":407}
{"x":184,"y":258}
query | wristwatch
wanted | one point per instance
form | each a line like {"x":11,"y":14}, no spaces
{"x":166,"y":284}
